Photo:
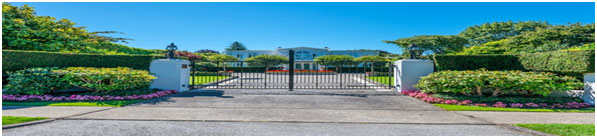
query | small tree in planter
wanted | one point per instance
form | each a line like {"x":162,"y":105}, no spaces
{"x":334,"y":60}
{"x":266,"y":61}
{"x":222,"y":58}
{"x":373,"y":61}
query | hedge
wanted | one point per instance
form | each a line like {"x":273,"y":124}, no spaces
{"x":473,"y":62}
{"x":16,"y":60}
{"x":564,"y":62}
{"x":561,"y":62}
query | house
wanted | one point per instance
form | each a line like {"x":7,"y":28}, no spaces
{"x":303,"y":56}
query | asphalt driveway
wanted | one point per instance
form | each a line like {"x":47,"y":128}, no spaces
{"x":272,"y":112}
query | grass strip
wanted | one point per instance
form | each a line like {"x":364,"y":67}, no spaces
{"x":7,"y":120}
{"x":563,"y":129}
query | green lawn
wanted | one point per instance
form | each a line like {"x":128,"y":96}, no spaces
{"x":206,"y":79}
{"x":7,"y":120}
{"x":86,"y":103}
{"x":382,"y":79}
{"x":479,"y":108}
{"x":563,"y":129}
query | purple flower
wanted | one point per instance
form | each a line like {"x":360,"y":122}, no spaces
{"x":499,"y":104}
{"x":516,"y":105}
{"x":75,"y":97}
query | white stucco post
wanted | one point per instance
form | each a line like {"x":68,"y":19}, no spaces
{"x":172,"y":74}
{"x":408,"y":72}
{"x":588,"y":95}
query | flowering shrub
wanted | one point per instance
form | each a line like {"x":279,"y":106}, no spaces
{"x":75,"y":97}
{"x":106,"y":79}
{"x":435,"y":100}
{"x":495,"y":83}
{"x":516,"y":105}
{"x":34,"y":81}
{"x":499,"y":104}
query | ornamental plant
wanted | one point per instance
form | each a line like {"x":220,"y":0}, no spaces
{"x":483,"y":82}
{"x":431,"y":98}
{"x":106,"y":79}
{"x":34,"y":81}
{"x":76,"y":97}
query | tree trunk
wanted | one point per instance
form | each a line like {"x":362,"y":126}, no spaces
{"x":479,"y":93}
{"x":496,"y":92}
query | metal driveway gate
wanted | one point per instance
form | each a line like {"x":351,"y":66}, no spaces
{"x":291,"y":74}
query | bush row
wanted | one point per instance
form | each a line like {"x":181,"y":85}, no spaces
{"x":46,"y":80}
{"x":562,"y":62}
{"x":17,"y":60}
{"x":495,"y":83}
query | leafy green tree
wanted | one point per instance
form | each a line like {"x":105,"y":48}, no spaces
{"x":23,"y":30}
{"x":487,"y":32}
{"x":334,"y":60}
{"x":267,"y":60}
{"x":236,"y":46}
{"x":437,"y":44}
{"x":372,"y":61}
{"x":206,"y":51}
{"x":222,"y":58}
{"x":552,"y":39}
{"x":541,"y":40}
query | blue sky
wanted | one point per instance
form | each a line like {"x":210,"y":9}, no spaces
{"x":264,"y":26}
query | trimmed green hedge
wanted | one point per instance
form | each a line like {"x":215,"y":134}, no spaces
{"x":473,"y":62}
{"x":564,"y":62}
{"x":16,"y":60}
{"x":561,"y":62}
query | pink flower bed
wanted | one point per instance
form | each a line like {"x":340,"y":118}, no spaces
{"x":430,"y":99}
{"x":75,"y":97}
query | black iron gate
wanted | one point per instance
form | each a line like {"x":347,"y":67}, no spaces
{"x":291,"y":74}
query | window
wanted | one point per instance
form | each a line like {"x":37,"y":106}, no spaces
{"x":253,"y":54}
{"x":302,"y":55}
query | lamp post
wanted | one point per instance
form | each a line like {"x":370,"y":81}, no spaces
{"x":411,"y":49}
{"x":171,"y":48}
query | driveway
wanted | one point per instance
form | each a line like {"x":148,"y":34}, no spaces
{"x":272,"y":112}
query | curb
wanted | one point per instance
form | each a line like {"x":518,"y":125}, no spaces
{"x":28,"y":123}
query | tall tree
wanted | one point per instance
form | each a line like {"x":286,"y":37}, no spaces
{"x":487,"y":32}
{"x":236,"y":46}
{"x":23,"y":30}
{"x":437,"y":44}
{"x":541,"y":40}
{"x":206,"y":51}
{"x":266,"y":60}
{"x":334,"y":60}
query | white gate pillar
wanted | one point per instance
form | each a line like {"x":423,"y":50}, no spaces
{"x":408,"y":72}
{"x":172,"y":74}
{"x":589,"y":93}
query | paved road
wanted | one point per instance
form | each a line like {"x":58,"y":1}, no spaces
{"x":272,"y":112}
{"x":178,"y":128}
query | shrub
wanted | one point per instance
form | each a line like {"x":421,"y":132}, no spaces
{"x":564,"y":62}
{"x":572,"y":62}
{"x":106,"y":79}
{"x":512,"y":99}
{"x":34,"y":81}
{"x":473,"y":62}
{"x":13,"y":60}
{"x":497,"y":83}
